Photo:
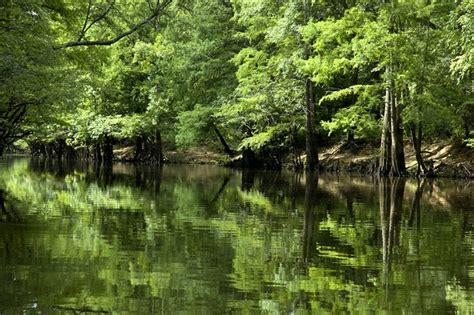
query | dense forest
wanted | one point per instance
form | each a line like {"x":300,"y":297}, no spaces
{"x":268,"y":80}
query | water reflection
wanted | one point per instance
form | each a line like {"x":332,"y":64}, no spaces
{"x":91,"y":238}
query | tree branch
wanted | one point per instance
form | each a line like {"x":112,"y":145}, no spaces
{"x":97,"y":19}
{"x":133,"y":29}
{"x":83,"y":31}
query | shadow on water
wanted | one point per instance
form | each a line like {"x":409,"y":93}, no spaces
{"x":125,"y":238}
{"x":8,"y":213}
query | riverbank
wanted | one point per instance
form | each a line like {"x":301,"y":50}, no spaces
{"x":202,"y":156}
{"x":446,"y":159}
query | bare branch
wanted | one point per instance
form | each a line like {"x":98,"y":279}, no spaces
{"x":100,"y":17}
{"x":149,"y":5}
{"x":83,"y":31}
{"x":107,"y":42}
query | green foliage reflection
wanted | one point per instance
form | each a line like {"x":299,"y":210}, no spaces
{"x":208,"y":240}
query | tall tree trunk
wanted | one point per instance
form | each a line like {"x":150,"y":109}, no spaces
{"x":400,"y":145}
{"x":392,"y":156}
{"x":312,"y":160}
{"x":397,"y":152}
{"x":227,"y":149}
{"x":385,"y":141}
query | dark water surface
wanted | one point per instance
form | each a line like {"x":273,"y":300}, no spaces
{"x":204,"y":240}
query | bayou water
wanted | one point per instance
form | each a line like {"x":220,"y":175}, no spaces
{"x":124,"y":239}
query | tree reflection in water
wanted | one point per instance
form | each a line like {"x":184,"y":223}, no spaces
{"x":142,"y":240}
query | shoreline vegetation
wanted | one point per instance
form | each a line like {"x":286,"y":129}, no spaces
{"x":374,"y":87}
{"x":445,"y":160}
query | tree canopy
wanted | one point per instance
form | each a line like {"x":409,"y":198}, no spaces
{"x":268,"y":79}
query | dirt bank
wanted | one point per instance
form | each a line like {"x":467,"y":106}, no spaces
{"x":447,"y":160}
{"x":189,"y":156}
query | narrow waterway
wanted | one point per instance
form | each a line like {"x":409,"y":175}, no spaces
{"x":207,"y":240}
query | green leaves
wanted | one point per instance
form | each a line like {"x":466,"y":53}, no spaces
{"x":343,"y":93}
{"x":240,"y":65}
{"x":274,"y":137}
{"x":463,"y":40}
{"x":194,"y":126}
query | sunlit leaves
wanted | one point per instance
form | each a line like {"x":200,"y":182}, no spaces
{"x":463,"y":43}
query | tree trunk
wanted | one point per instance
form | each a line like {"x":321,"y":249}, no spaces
{"x":467,"y":125}
{"x":87,"y":153}
{"x":416,"y":139}
{"x":392,"y":155}
{"x":350,"y":136}
{"x":397,"y":152}
{"x":147,"y":146}
{"x":49,"y":151}
{"x":71,"y":153}
{"x":59,"y":148}
{"x":248,"y":158}
{"x":312,"y":160}
{"x":400,"y":146}
{"x":227,"y":149}
{"x":97,"y":153}
{"x":42,"y":150}
{"x":158,"y":148}
{"x":297,"y":162}
{"x":385,"y":141}
{"x":138,"y":148}
{"x":108,"y":151}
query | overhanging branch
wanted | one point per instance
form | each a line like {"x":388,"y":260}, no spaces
{"x":107,"y":42}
